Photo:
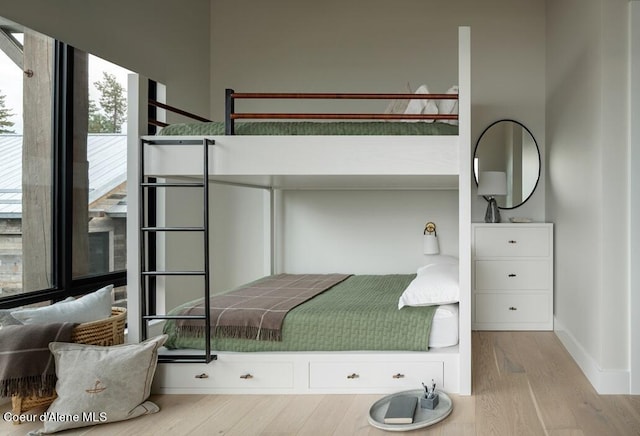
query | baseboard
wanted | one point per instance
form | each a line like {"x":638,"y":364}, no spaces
{"x":605,"y":382}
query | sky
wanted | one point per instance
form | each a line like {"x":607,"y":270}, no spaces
{"x":11,"y":78}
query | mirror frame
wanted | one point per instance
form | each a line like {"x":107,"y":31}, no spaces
{"x":475,"y":152}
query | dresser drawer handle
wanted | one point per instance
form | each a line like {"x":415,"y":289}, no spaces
{"x":512,"y":275}
{"x":203,"y":375}
{"x":513,"y":308}
{"x":246,"y":376}
{"x":512,"y":241}
{"x":398,"y":375}
{"x":353,"y":376}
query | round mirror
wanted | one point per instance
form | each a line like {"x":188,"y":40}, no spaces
{"x":508,"y":147}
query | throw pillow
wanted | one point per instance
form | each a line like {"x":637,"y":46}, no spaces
{"x":436,"y":284}
{"x":97,"y":385}
{"x":91,"y":307}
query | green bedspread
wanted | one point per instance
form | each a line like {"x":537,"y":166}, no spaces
{"x":360,"y":313}
{"x":313,"y":128}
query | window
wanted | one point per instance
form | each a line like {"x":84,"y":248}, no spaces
{"x":99,"y":253}
{"x":63,"y":175}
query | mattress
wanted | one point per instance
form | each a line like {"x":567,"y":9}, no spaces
{"x":360,"y":313}
{"x":312,"y":128}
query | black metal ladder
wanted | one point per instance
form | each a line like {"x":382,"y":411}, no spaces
{"x":147,"y":241}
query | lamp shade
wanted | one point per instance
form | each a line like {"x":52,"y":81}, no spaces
{"x":431,"y":245}
{"x":492,"y":183}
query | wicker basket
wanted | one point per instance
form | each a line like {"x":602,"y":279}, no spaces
{"x":105,"y":332}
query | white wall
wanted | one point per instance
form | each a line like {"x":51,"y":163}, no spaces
{"x":341,"y":46}
{"x":587,"y":185}
{"x":634,"y":196}
{"x":364,"y":232}
{"x":164,"y":40}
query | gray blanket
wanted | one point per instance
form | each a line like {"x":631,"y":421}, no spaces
{"x":256,"y":310}
{"x":26,"y":364}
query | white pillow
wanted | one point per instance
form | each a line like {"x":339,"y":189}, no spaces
{"x":449,"y":106}
{"x":425,"y":106}
{"x":436,"y":284}
{"x":437,"y":259}
{"x":101,"y":384}
{"x":91,"y":307}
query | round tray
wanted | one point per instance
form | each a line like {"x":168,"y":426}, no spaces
{"x":422,"y":418}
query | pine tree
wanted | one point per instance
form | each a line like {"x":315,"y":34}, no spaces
{"x":5,"y":115}
{"x":113,"y":103}
{"x":97,"y":120}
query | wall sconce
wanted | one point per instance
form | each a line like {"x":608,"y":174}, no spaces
{"x":431,"y":245}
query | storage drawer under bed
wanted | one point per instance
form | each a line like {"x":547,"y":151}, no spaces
{"x":400,"y":375}
{"x":225,"y":374}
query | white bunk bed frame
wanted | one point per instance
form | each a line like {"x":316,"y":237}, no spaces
{"x":278,"y":162}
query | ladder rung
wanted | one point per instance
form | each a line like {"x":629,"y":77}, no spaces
{"x":172,"y":185}
{"x":173,"y":273}
{"x":177,"y":358}
{"x":150,"y":317}
{"x":171,"y":141}
{"x":172,"y":229}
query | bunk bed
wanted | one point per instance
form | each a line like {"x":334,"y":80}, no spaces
{"x":276,"y":161}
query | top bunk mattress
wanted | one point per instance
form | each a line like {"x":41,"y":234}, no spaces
{"x":284,"y":128}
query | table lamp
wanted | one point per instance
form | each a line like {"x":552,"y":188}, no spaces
{"x":490,"y":184}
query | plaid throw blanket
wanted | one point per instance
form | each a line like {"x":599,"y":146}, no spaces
{"x":26,"y":364}
{"x":256,"y":311}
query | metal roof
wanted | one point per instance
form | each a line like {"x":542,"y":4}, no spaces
{"x":107,"y":155}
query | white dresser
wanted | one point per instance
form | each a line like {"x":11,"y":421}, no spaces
{"x":512,"y":276}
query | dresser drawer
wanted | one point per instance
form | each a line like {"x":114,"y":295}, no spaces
{"x":513,"y":241}
{"x":225,"y":374}
{"x":512,"y":274}
{"x":400,"y":375}
{"x":512,"y":308}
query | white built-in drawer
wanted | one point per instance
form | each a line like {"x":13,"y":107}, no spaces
{"x":512,"y":241}
{"x":226,"y":374}
{"x":512,"y":274}
{"x":399,"y":375}
{"x":512,"y":308}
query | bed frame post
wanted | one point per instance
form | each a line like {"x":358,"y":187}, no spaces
{"x":229,"y":109}
{"x":464,"y":198}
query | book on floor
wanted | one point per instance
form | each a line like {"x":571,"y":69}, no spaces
{"x":401,"y":410}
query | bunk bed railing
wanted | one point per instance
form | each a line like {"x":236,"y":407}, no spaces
{"x":173,"y":109}
{"x":231,"y":114}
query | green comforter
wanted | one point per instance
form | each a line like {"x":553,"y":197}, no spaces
{"x":360,"y":313}
{"x":313,"y":128}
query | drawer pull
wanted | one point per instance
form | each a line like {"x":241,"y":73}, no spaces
{"x":203,"y":375}
{"x":398,"y":375}
{"x":246,"y":376}
{"x":512,"y":241}
{"x":512,"y":275}
{"x":353,"y":376}
{"x":513,"y":308}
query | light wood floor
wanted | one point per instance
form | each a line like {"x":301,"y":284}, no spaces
{"x":524,"y":383}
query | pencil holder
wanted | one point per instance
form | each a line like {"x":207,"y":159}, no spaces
{"x":429,"y":403}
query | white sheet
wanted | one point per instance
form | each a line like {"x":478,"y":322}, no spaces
{"x":444,"y":328}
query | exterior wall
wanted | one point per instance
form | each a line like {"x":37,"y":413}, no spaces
{"x":11,"y":251}
{"x":10,"y":257}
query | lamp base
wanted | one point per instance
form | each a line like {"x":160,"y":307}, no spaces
{"x":493,"y":212}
